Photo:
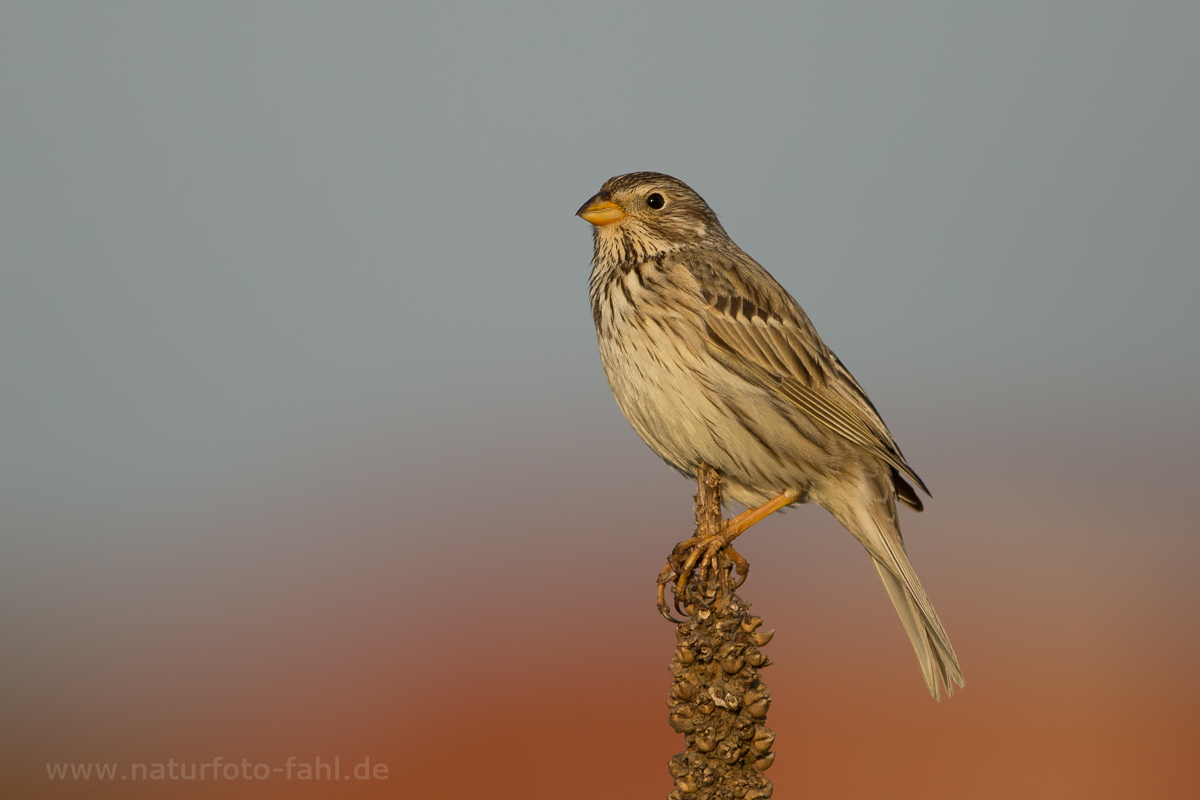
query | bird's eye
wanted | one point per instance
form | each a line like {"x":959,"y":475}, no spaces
{"x":656,"y":201}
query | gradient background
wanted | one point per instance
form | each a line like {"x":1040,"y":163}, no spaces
{"x":305,"y":447}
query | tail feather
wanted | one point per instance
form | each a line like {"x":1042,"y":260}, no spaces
{"x":934,"y":653}
{"x":875,"y":526}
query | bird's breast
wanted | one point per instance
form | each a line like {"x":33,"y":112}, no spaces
{"x":682,"y":401}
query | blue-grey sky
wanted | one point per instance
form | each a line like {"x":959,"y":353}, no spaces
{"x":230,"y":227}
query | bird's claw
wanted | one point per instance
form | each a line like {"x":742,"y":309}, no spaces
{"x":664,"y":578}
{"x":702,"y":556}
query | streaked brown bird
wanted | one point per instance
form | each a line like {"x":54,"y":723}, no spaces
{"x":712,"y":361}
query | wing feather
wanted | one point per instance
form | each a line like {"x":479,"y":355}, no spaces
{"x":783,"y":354}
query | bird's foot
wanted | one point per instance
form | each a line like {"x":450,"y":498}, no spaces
{"x":710,"y":560}
{"x":712,"y":556}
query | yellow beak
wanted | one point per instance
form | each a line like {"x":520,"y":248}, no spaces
{"x":600,"y":211}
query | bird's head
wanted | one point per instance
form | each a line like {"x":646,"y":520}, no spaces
{"x":645,"y":214}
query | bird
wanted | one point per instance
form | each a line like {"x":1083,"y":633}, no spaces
{"x":713,"y":362}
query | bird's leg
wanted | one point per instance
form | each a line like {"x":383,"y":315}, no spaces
{"x":704,"y":549}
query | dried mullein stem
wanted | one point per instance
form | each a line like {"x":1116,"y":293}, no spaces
{"x":717,"y":700}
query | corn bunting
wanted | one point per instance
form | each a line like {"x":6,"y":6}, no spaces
{"x":712,"y":361}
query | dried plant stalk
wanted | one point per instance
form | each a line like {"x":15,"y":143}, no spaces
{"x":718,"y":701}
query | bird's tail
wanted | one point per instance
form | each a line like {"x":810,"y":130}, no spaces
{"x":875,"y":525}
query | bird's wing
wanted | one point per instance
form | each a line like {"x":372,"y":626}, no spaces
{"x":773,"y":344}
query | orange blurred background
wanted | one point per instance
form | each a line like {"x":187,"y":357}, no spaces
{"x":499,"y":639}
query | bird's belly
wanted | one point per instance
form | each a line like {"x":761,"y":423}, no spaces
{"x":688,"y":409}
